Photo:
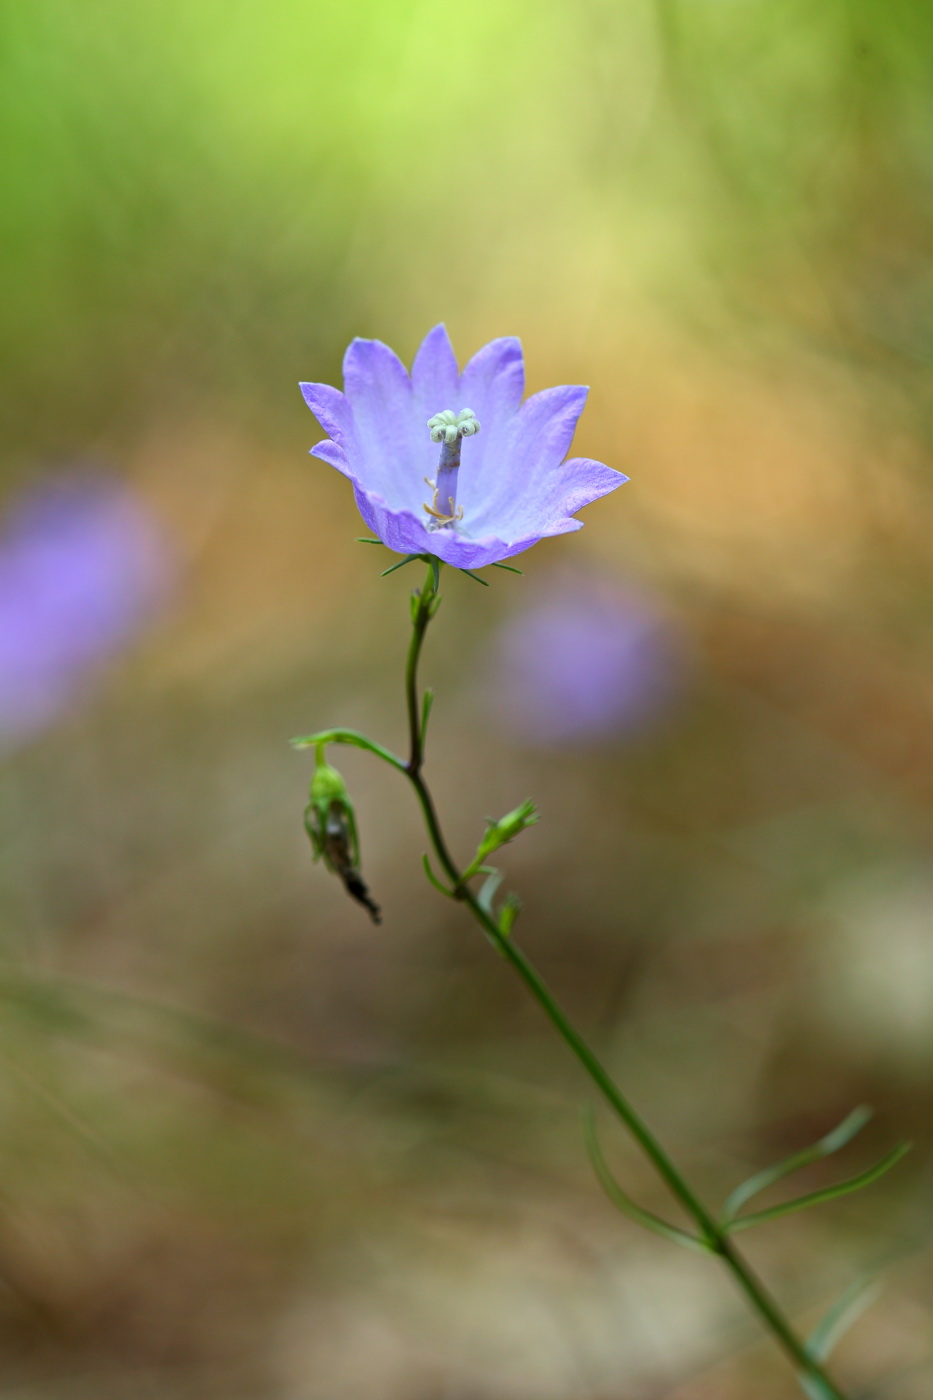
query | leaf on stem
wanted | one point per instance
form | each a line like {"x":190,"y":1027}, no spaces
{"x":853,"y":1123}
{"x":490,"y":886}
{"x":426,"y":705}
{"x":815,"y":1389}
{"x":843,"y":1314}
{"x":511,"y":908}
{"x":624,"y":1202}
{"x":349,"y":736}
{"x":827,"y":1193}
{"x":433,"y":878}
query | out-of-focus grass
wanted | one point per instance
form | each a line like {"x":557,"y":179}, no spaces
{"x":251,"y":1145}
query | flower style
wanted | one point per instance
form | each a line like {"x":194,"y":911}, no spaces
{"x":391,"y":433}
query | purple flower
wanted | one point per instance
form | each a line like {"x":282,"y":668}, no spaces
{"x":589,"y":661}
{"x":399,"y":439}
{"x":82,"y":566}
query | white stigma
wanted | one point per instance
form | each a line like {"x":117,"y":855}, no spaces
{"x":448,"y":428}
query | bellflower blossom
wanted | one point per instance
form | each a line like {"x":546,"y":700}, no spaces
{"x":83,"y":565}
{"x":499,"y":482}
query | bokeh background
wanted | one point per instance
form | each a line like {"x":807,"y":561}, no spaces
{"x":253,"y":1146}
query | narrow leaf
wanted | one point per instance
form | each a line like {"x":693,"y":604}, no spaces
{"x":511,"y":568}
{"x":815,"y":1389}
{"x":475,"y":577}
{"x":365,"y":539}
{"x":827,"y":1193}
{"x":433,"y":878}
{"x":623,"y":1202}
{"x":490,"y":886}
{"x":845,"y":1131}
{"x":511,"y":908}
{"x":843,"y":1314}
{"x":426,"y":712}
{"x":436,"y":569}
{"x":349,"y":736}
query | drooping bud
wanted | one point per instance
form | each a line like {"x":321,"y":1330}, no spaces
{"x":331,"y":826}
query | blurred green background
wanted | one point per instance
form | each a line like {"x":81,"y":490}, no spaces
{"x":252,"y":1145}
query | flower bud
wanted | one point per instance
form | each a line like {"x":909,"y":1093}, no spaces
{"x":507,"y":827}
{"x":331,"y":826}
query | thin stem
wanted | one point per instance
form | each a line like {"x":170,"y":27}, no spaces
{"x":754,"y":1290}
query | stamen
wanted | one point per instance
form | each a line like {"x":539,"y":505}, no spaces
{"x":448,"y":428}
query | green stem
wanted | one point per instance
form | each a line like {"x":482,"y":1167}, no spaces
{"x":754,"y":1290}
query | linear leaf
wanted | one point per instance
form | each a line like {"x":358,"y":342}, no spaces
{"x":826,"y":1193}
{"x":814,"y":1389}
{"x":433,"y":878}
{"x":844,"y":1132}
{"x":843,"y":1314}
{"x":624,"y":1202}
{"x":489,"y":887}
{"x":426,"y":704}
{"x":349,"y":736}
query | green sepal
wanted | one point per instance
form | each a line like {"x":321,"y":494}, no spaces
{"x":826,"y":1193}
{"x":409,"y":559}
{"x":624,"y":1202}
{"x":511,"y":568}
{"x":831,"y":1142}
{"x":366,"y":539}
{"x":475,"y":577}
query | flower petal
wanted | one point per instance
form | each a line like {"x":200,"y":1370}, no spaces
{"x":574,"y":485}
{"x":435,"y":377}
{"x":332,"y":410}
{"x":519,"y":462}
{"x":398,"y":529}
{"x":492,"y":385}
{"x":379,"y":390}
{"x":333,"y":453}
{"x":544,"y":426}
{"x":493,"y":382}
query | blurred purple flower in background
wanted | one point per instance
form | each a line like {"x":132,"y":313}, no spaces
{"x":83,"y":565}
{"x":588,"y":661}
